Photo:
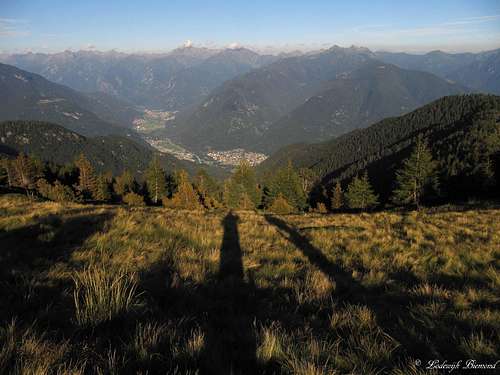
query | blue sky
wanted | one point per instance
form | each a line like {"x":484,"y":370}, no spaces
{"x":126,"y":25}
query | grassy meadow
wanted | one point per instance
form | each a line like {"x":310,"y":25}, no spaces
{"x":116,"y":290}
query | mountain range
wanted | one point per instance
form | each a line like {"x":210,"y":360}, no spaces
{"x":29,"y":96}
{"x":479,"y":71}
{"x":169,"y":81}
{"x":305,"y":98}
{"x":235,"y":98}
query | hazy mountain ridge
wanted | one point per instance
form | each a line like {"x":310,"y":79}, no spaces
{"x":305,"y":98}
{"x":168,"y":81}
{"x":238,"y":113}
{"x":28,"y":96}
{"x":480,"y":71}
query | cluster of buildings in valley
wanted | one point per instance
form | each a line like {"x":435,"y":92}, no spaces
{"x":234,"y":157}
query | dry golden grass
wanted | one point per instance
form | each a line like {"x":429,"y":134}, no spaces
{"x":244,"y":292}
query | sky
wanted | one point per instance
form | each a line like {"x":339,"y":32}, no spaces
{"x":264,"y":25}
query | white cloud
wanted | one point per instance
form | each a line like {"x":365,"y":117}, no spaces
{"x":188,"y":43}
{"x":233,"y":45}
{"x":13,"y":27}
{"x":473,"y":20}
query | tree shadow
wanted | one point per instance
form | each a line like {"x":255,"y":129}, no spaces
{"x":391,"y":308}
{"x":230,"y":342}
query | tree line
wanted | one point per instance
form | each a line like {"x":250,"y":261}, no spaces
{"x":287,"y":190}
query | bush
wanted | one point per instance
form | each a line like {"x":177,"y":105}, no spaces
{"x":101,"y":295}
{"x":281,"y":206}
{"x":320,"y":208}
{"x":134,"y":199}
{"x":57,"y":192}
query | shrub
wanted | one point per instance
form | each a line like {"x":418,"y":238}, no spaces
{"x":281,"y":206}
{"x":320,"y":208}
{"x":101,"y":295}
{"x":133,"y":199}
{"x":57,"y":192}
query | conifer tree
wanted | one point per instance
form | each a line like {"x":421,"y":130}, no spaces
{"x":207,"y":188}
{"x":244,"y":176}
{"x":155,"y":180}
{"x":87,"y":180}
{"x":360,"y":194}
{"x":308,"y":179}
{"x":124,"y":184}
{"x":287,"y":183}
{"x":102,"y":192}
{"x":6,"y":172}
{"x":417,"y":177}
{"x":25,"y":173}
{"x":185,"y":197}
{"x":338,"y":197}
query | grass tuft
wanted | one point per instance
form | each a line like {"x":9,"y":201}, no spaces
{"x":101,"y":295}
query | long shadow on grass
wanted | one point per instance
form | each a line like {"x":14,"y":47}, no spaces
{"x":230,"y":342}
{"x":391,"y":309}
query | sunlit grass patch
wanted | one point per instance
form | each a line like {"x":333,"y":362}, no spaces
{"x":101,"y":295}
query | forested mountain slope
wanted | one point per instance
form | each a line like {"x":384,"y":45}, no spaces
{"x":463,"y":133}
{"x":356,"y":100}
{"x":53,"y":143}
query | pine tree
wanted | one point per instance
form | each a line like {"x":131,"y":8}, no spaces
{"x":185,"y":197}
{"x":242,"y":182}
{"x":360,"y":194}
{"x":155,"y":180}
{"x":208,"y":189}
{"x":87,"y":180}
{"x":25,"y":173}
{"x":338,"y":197}
{"x":287,"y":183}
{"x":124,"y":184}
{"x":417,"y":177}
{"x":6,"y":172}
{"x":308,"y":179}
{"x":102,"y":192}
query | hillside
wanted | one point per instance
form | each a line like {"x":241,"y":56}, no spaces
{"x":305,"y":98}
{"x":457,"y":127}
{"x":244,"y":293}
{"x":238,"y":113}
{"x":28,"y":96}
{"x":356,"y":100}
{"x":53,"y":143}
